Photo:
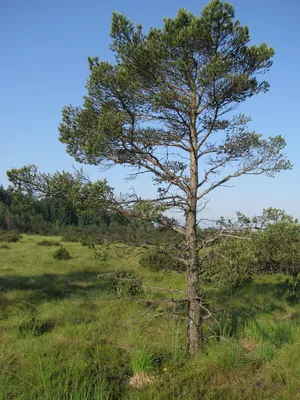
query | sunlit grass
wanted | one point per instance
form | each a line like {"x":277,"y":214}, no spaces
{"x":65,"y":334}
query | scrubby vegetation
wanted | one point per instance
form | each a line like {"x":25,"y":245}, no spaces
{"x":9,"y":237}
{"x":4,"y":247}
{"x":48,"y":243}
{"x":160,"y":260}
{"x":62,"y":254}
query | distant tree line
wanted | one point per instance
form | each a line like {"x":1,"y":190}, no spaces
{"x":29,"y":214}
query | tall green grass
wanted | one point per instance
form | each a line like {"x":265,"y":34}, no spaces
{"x":141,"y":361}
{"x":277,"y":333}
{"x":65,"y":334}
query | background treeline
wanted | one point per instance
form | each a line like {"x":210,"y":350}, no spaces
{"x":28,"y":214}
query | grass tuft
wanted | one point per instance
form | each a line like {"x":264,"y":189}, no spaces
{"x":141,"y":361}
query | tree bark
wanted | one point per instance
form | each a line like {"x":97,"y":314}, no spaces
{"x":194,"y":333}
{"x":193,"y":288}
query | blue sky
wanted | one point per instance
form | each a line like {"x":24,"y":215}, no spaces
{"x":44,"y":49}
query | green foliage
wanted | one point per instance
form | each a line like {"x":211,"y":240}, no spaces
{"x":102,"y":253}
{"x":166,"y":85}
{"x":26,"y":212}
{"x":71,"y":190}
{"x":277,"y":248}
{"x":291,"y":290}
{"x":284,"y":333}
{"x":141,"y":361}
{"x":72,"y":237}
{"x":48,"y":243}
{"x":4,"y":247}
{"x":10,"y":237}
{"x":62,"y":254}
{"x":161,"y":260}
{"x":158,"y":71}
{"x":122,"y":283}
{"x":273,"y":216}
{"x":230,"y":263}
{"x":273,"y":248}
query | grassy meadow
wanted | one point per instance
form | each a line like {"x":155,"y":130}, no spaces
{"x":66,"y":334}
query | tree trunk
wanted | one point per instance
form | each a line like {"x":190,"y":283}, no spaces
{"x":194,"y":333}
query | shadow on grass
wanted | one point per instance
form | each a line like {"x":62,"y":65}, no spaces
{"x":23,"y":294}
{"x":47,"y":287}
{"x":248,"y":304}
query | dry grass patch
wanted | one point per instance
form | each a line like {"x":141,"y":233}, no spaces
{"x":140,"y":380}
{"x":249,"y":345}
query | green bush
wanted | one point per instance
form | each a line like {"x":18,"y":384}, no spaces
{"x":48,"y":243}
{"x":62,"y":254}
{"x":72,"y":237}
{"x":88,"y":237}
{"x":123,"y":283}
{"x":4,"y":247}
{"x":277,"y":249}
{"x":10,"y":237}
{"x":90,"y":240}
{"x":229,"y":264}
{"x":161,"y":261}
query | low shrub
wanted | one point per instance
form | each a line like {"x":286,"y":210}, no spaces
{"x":4,"y":247}
{"x":72,"y":237}
{"x":48,"y":243}
{"x":229,"y":264}
{"x":62,"y":254}
{"x":161,"y":261}
{"x":123,"y":283}
{"x":89,"y":238}
{"x":10,"y":237}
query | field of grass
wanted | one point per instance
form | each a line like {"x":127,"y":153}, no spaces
{"x":66,"y":334}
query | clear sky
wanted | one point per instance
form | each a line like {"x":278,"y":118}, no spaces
{"x":44,"y":49}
